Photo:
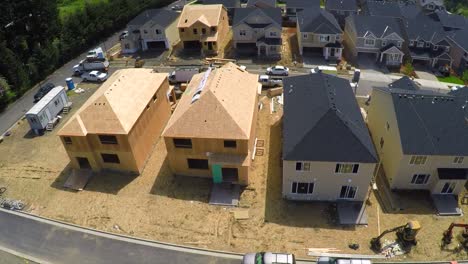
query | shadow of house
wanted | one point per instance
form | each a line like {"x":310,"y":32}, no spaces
{"x":62,"y":178}
{"x":109,"y":181}
{"x":293,"y":213}
{"x":30,"y":134}
{"x":180,"y":187}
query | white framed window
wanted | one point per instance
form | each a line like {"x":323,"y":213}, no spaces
{"x":145,"y":31}
{"x":369,"y":42}
{"x":458,"y":160}
{"x":158,"y":32}
{"x":242,"y":32}
{"x":448,"y":188}
{"x":399,"y":44}
{"x":324,"y":38}
{"x":348,"y":192}
{"x":302,"y":166}
{"x":346,"y":168}
{"x":411,"y":43}
{"x":418,"y":160}
{"x":420,"y":179}
{"x":428,"y":44}
{"x":273,"y":34}
{"x":420,"y":44}
{"x":305,"y":36}
{"x":447,"y":48}
{"x":435,"y":47}
{"x":302,"y":187}
{"x":337,"y":37}
{"x":384,"y":43}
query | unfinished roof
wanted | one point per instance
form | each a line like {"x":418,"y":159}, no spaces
{"x":210,"y":15}
{"x":116,"y":106}
{"x":216,"y":104}
{"x":430,"y":123}
{"x":322,"y":121}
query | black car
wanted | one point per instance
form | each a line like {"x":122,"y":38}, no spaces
{"x":43,"y":91}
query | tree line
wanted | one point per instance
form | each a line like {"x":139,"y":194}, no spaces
{"x":34,"y":41}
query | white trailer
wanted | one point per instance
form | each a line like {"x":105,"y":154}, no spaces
{"x":47,"y":109}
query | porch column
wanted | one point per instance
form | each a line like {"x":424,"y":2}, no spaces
{"x":338,"y":52}
{"x":434,"y":61}
{"x":381,"y":57}
{"x":325,"y":53}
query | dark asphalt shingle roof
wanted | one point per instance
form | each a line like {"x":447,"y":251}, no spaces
{"x":410,"y":10}
{"x":383,"y":8}
{"x":461,"y":38}
{"x":225,"y":3}
{"x":429,"y":123}
{"x":303,"y":4}
{"x":261,"y":3}
{"x":162,"y":17}
{"x":322,"y":121}
{"x":273,"y":13}
{"x":379,"y":26}
{"x":346,"y":5}
{"x":461,"y":95}
{"x":317,"y":21}
{"x":404,"y":83}
{"x":423,"y":27}
{"x":450,"y":20}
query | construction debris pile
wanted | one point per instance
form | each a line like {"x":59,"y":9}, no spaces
{"x":391,"y":249}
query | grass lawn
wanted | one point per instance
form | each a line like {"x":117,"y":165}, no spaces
{"x":67,"y":7}
{"x":450,"y":79}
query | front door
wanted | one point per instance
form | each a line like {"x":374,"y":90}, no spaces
{"x":332,"y":52}
{"x":83,"y":163}
{"x":262,"y":50}
{"x":348,"y":192}
{"x":217,"y":173}
{"x":448,"y":188}
{"x":210,"y":45}
{"x":230,"y":175}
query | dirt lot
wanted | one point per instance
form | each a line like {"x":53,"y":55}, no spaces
{"x":157,"y":205}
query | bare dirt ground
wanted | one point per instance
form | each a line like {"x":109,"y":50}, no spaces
{"x":156,"y":205}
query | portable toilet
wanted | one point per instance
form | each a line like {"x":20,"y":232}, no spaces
{"x":70,"y":83}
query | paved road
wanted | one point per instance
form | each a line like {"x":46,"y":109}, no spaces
{"x":59,"y":243}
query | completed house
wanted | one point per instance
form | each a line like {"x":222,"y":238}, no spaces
{"x":294,"y":6}
{"x":431,"y":5}
{"x":261,"y":3}
{"x":459,"y":50}
{"x":318,"y":31}
{"x":329,"y":157}
{"x":341,"y":9}
{"x":211,"y":133}
{"x":258,"y":30}
{"x":203,"y":27}
{"x":422,"y":139}
{"x":152,"y":29}
{"x":427,"y":42}
{"x":230,"y":5}
{"x":449,"y":21}
{"x":118,"y":125}
{"x":382,"y":8}
{"x":381,"y":37}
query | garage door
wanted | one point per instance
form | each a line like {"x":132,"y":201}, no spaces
{"x":246,"y":48}
{"x":156,"y":45}
{"x":308,"y":51}
{"x":192,"y":45}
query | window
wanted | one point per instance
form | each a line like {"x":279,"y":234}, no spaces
{"x":144,"y":31}
{"x":420,"y":44}
{"x":273,"y":34}
{"x":382,"y":142}
{"x":428,"y":44}
{"x":182,"y":30}
{"x":337,"y":37}
{"x":147,"y":107}
{"x":242,"y":32}
{"x":399,"y":44}
{"x":346,"y":168}
{"x":369,"y":42}
{"x":304,"y":36}
{"x":158,"y":32}
{"x":182,"y":142}
{"x":272,"y":48}
{"x":230,"y":144}
{"x":388,"y":126}
{"x":108,"y":140}
{"x":127,"y":46}
{"x":302,"y":166}
{"x":411,"y":43}
{"x":56,"y":102}
{"x":195,"y":31}
{"x":448,"y":188}
{"x":213,"y":29}
{"x":348,"y":192}
{"x":458,"y":160}
{"x":302,"y":187}
{"x":203,"y":31}
{"x":67,"y":140}
{"x":199,"y":164}
{"x":418,"y":160}
{"x":435,"y":47}
{"x":384,"y":43}
{"x":420,"y":178}
{"x":110,"y":158}
{"x":155,"y":97}
{"x":324,"y":38}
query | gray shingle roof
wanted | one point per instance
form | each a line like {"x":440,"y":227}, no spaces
{"x":404,"y":83}
{"x":423,"y":27}
{"x":450,"y":20}
{"x":430,"y":123}
{"x":303,"y":4}
{"x":273,"y":13}
{"x":383,"y":8}
{"x":461,"y":38}
{"x":261,"y":3}
{"x":162,"y":17}
{"x":346,"y":5}
{"x":409,"y":10}
{"x":317,"y":21}
{"x":225,"y":3}
{"x":322,"y":121}
{"x":379,"y":26}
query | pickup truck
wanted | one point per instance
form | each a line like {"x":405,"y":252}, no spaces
{"x":91,"y":64}
{"x":182,"y":75}
{"x":268,"y":81}
{"x":94,"y":76}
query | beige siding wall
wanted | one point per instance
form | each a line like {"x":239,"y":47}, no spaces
{"x":327,"y":183}
{"x":313,"y":40}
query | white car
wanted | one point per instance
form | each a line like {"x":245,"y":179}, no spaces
{"x":94,"y":76}
{"x":278,"y":70}
{"x":268,"y":258}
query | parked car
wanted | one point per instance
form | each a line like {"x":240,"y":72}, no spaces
{"x":43,"y":90}
{"x":177,"y":8}
{"x":123,"y":35}
{"x":268,"y":258}
{"x":94,"y":76}
{"x":278,"y":70}
{"x":268,"y":81}
{"x":328,"y":260}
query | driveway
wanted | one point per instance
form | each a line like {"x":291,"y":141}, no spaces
{"x":425,"y":73}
